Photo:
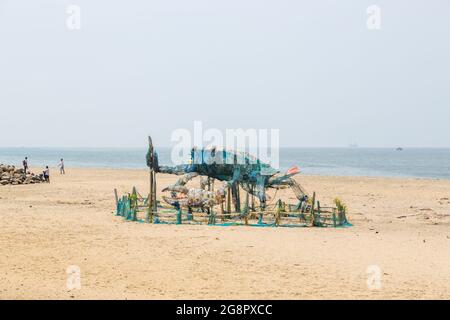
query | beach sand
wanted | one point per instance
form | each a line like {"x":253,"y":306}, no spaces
{"x":401,"y":226}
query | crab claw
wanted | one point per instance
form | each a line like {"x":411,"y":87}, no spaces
{"x":283,"y":180}
{"x":293,"y":170}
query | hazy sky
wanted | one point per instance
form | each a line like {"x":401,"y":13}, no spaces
{"x":310,"y":68}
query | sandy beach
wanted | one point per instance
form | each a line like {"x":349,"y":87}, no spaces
{"x":402,"y":226}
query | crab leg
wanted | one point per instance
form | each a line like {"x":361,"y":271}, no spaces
{"x":261,"y":190}
{"x":182,"y":181}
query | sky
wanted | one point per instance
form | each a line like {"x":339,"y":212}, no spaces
{"x":312,"y":69}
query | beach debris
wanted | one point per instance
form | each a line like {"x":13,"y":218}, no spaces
{"x":9,"y":175}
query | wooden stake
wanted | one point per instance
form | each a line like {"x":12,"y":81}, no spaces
{"x":253,"y":199}
{"x":134,"y":204}
{"x":312,"y":208}
{"x":179,"y":215}
{"x":318,"y":214}
{"x":117,"y":197}
{"x":149,"y":217}
{"x":278,"y":214}
{"x":247,"y":203}
{"x":212,"y":217}
{"x":190,"y":216}
{"x":229,"y":200}
{"x":238,"y":198}
{"x":154,"y":193}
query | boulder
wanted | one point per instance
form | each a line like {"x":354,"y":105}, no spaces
{"x":9,"y":175}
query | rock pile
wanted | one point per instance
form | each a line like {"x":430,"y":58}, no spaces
{"x":11,"y":175}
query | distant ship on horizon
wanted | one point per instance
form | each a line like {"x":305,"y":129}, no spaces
{"x":399,"y":149}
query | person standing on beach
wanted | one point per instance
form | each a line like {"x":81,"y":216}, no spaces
{"x":25,"y":164}
{"x":47,"y":174}
{"x":61,"y":167}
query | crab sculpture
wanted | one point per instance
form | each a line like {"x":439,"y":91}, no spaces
{"x":233,"y":168}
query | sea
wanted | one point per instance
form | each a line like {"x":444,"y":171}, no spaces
{"x":371,"y":162}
